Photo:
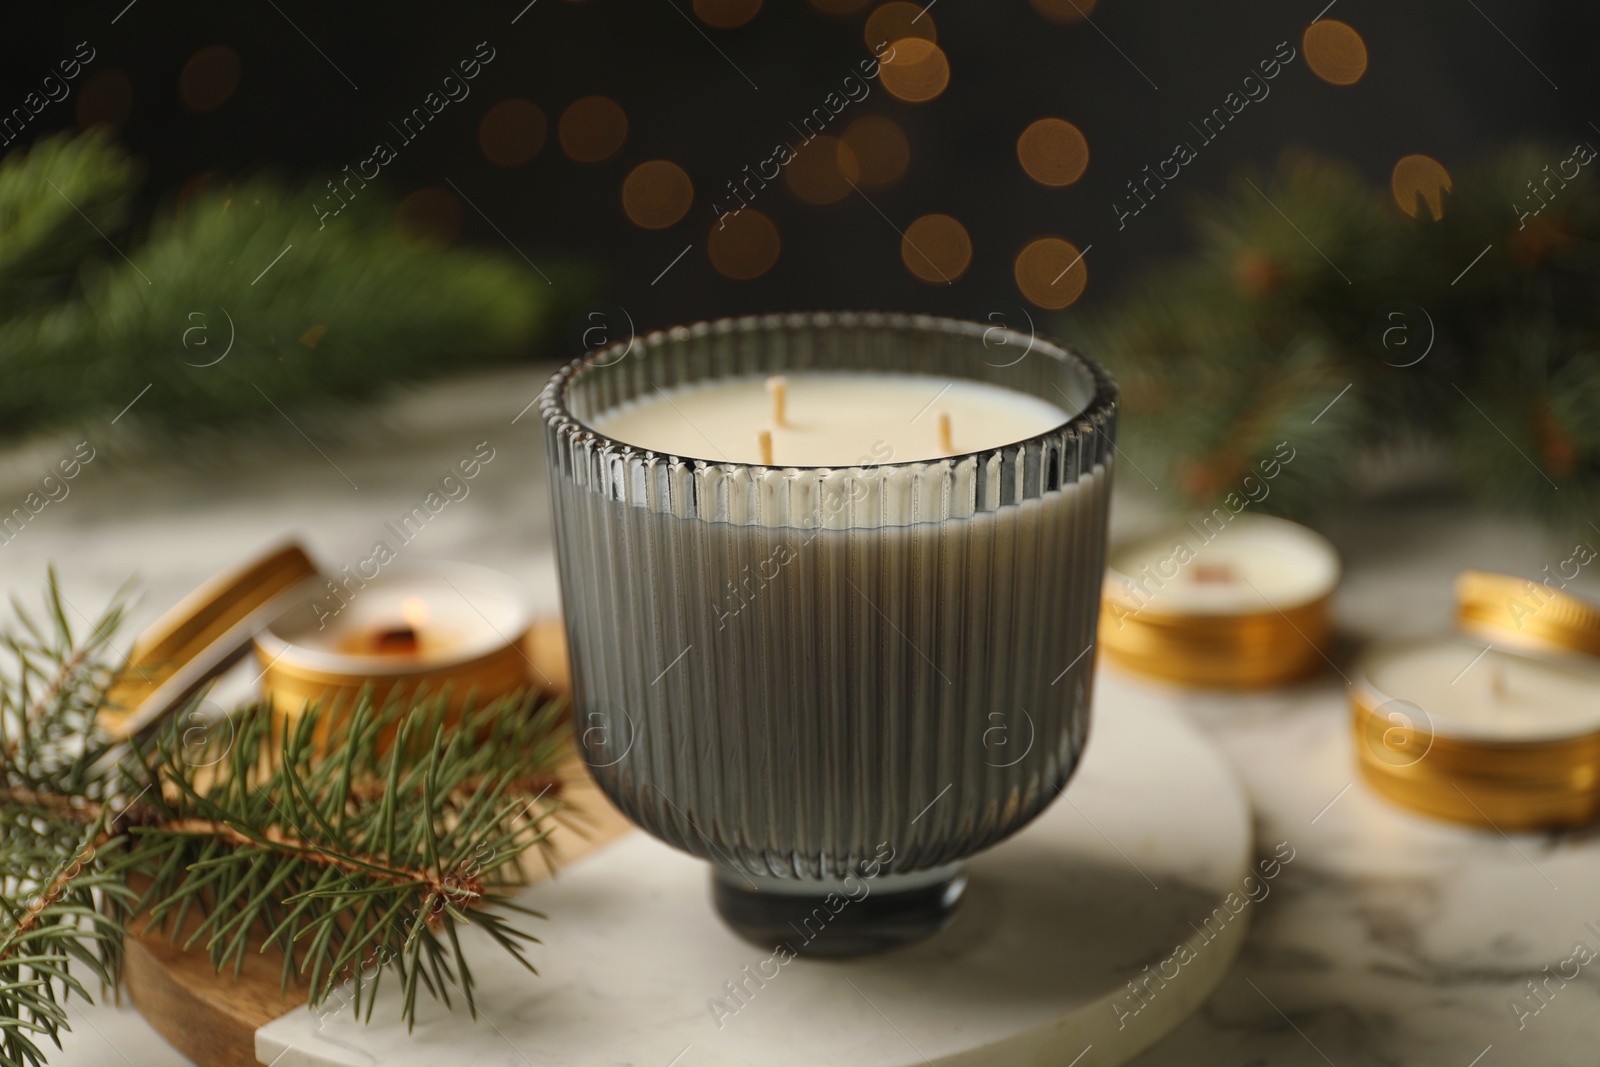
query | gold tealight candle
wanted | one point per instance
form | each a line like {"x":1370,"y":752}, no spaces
{"x":1497,"y":726}
{"x":416,"y":627}
{"x":1233,"y":601}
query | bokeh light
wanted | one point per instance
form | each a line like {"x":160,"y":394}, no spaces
{"x":936,"y":248}
{"x":916,"y":71}
{"x":106,"y":98}
{"x":743,"y":246}
{"x":593,"y":128}
{"x":726,"y":14}
{"x":657,"y":194}
{"x":512,"y":132}
{"x":1067,"y":11}
{"x":1051,"y":272}
{"x":429,"y":217}
{"x":896,"y":21}
{"x":823,"y":170}
{"x":881,"y":150}
{"x":1335,"y":52}
{"x":1420,"y":178}
{"x":209,"y":78}
{"x":1053,"y":152}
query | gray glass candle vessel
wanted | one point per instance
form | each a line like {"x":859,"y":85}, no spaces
{"x":832,"y":683}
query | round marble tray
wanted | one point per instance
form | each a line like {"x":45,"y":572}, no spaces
{"x":1081,"y":941}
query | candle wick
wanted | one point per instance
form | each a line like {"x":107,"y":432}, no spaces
{"x":944,"y":433}
{"x":1497,"y":681}
{"x":764,"y":442}
{"x":778,"y":389}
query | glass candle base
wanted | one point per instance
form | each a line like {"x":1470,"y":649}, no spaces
{"x":854,"y":917}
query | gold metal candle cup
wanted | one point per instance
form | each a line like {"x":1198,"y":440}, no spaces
{"x":1253,"y":649}
{"x":1506,"y":785}
{"x":487,"y":621}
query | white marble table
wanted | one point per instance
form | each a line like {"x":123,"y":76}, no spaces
{"x":1390,"y":940}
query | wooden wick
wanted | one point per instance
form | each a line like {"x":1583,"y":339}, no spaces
{"x":944,"y":432}
{"x":764,"y":442}
{"x":778,"y":389}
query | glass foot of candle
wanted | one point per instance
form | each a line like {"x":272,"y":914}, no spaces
{"x":853,"y":917}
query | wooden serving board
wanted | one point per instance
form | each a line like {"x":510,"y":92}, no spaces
{"x":212,"y":1018}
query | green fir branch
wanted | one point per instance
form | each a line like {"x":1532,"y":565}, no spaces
{"x":355,"y":841}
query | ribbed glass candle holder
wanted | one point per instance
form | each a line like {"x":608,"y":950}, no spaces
{"x":833,"y":683}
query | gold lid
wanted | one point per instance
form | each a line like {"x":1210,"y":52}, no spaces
{"x":200,"y":637}
{"x":1524,"y":614}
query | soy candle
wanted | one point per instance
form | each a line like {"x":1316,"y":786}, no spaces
{"x":1464,"y":728}
{"x":432,"y":626}
{"x":812,"y":567}
{"x":1231,"y":599}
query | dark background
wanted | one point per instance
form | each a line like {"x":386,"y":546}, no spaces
{"x":1442,"y":80}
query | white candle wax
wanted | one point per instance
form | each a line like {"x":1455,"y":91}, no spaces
{"x":458,"y":612}
{"x":1243,"y":564}
{"x":1468,"y":693}
{"x":830,"y":419}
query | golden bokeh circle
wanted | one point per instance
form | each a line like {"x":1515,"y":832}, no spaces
{"x":936,"y":248}
{"x":429,"y":218}
{"x":726,"y":14}
{"x":838,"y":7}
{"x":593,"y":128}
{"x":1051,"y":272}
{"x":1067,"y":11}
{"x":822,"y":170}
{"x":896,"y":21}
{"x":743,"y":246}
{"x":512,"y":132}
{"x":657,"y":194}
{"x":105,"y":98}
{"x":1420,"y":178}
{"x":915,"y":70}
{"x":1335,"y":52}
{"x":880,"y":147}
{"x":209,"y":78}
{"x":1053,"y":152}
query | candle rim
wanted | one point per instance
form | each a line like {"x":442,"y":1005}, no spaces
{"x":1097,"y":411}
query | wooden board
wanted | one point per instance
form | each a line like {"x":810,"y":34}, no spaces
{"x":212,"y":1019}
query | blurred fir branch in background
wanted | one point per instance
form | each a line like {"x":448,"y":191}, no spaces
{"x":94,"y":308}
{"x":1463,"y":311}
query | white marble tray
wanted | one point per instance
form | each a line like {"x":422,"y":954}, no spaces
{"x":1152,"y":835}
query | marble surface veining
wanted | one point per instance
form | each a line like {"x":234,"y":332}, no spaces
{"x":1392,"y":940}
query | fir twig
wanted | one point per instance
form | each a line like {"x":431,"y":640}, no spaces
{"x":355,"y":842}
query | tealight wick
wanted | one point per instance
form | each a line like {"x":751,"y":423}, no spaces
{"x":778,"y":389}
{"x":1497,"y":681}
{"x":944,"y":433}
{"x":764,"y":442}
{"x":396,"y":641}
{"x":1220,"y":573}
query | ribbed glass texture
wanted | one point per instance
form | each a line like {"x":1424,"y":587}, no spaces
{"x":784,"y":670}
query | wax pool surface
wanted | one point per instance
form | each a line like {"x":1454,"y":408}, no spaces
{"x":833,"y":419}
{"x":1248,"y":563}
{"x":1535,"y":698}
